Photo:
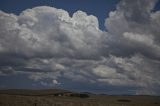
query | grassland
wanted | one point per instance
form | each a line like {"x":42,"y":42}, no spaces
{"x":65,"y":98}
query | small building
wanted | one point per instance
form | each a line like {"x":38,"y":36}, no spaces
{"x":63,"y":94}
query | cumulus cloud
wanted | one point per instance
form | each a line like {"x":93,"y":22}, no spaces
{"x":55,"y":82}
{"x":51,"y":32}
{"x":49,"y":46}
{"x":139,"y":32}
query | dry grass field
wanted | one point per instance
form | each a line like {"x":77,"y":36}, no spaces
{"x":65,"y":98}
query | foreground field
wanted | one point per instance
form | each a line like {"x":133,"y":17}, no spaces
{"x":65,"y":98}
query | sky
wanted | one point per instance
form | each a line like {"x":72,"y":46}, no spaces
{"x":99,"y":46}
{"x":92,"y":7}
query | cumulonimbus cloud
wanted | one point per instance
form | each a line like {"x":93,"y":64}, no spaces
{"x":47,"y":43}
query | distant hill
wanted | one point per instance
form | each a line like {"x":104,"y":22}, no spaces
{"x":32,"y":92}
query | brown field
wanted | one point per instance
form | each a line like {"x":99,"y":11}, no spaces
{"x":66,"y":98}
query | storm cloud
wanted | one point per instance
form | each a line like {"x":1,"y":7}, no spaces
{"x":46,"y":43}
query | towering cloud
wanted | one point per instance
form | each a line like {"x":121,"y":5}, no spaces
{"x":47,"y":44}
{"x":135,"y":27}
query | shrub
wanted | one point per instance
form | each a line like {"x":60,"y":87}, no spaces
{"x":80,"y":95}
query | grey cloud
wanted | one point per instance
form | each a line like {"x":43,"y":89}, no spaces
{"x":137,"y":10}
{"x":49,"y":31}
{"x":133,"y":29}
{"x":46,"y":43}
{"x":6,"y":71}
{"x":136,"y":71}
{"x":130,"y":35}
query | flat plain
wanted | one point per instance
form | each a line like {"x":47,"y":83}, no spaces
{"x":57,"y":97}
